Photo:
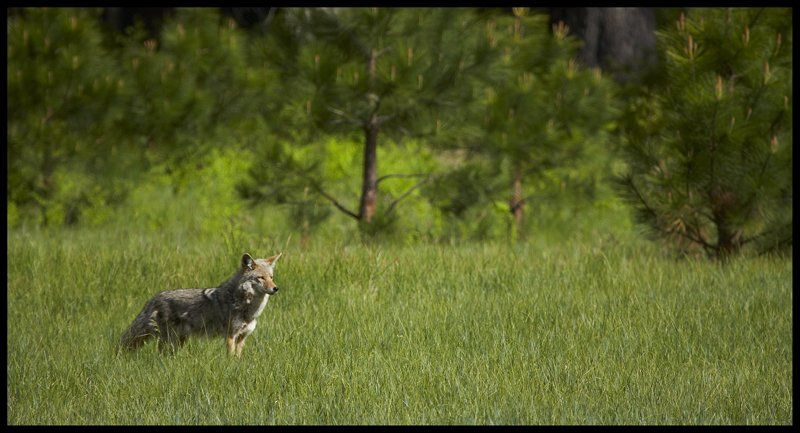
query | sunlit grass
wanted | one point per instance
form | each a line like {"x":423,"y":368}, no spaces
{"x":474,"y":334}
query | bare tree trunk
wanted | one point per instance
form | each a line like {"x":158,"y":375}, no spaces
{"x":728,"y":237}
{"x":620,"y":40}
{"x":152,"y":18}
{"x":516,"y":203}
{"x":47,"y":169}
{"x":728,"y":241}
{"x":251,"y":17}
{"x":369,"y":190}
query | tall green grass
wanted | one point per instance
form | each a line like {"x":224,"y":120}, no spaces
{"x":381,"y":334}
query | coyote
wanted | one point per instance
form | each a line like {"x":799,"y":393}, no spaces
{"x":230,"y":310}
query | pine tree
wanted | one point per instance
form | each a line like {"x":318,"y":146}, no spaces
{"x":196,"y":79}
{"x":370,"y":72}
{"x":539,"y":110}
{"x":710,"y":160}
{"x":89,"y":115}
{"x":62,"y":87}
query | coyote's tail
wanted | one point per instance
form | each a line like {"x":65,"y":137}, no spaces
{"x":143,"y":327}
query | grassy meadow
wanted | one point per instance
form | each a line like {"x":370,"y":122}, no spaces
{"x":577,"y":333}
{"x":462,"y":205}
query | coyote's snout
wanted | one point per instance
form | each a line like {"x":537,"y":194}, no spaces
{"x":229,"y":310}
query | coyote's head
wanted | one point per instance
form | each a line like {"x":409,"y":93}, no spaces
{"x":257,"y":275}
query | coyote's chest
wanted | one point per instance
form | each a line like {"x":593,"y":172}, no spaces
{"x":261,"y":306}
{"x":253,"y":307}
{"x":250,"y":325}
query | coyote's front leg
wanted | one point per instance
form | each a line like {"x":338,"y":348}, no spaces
{"x":230,"y":342}
{"x":242,"y":335}
{"x":240,"y":345}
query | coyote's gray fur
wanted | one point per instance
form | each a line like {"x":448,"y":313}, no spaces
{"x":229,"y":310}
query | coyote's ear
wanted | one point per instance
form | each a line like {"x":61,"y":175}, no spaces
{"x":273,"y":260}
{"x":247,"y":262}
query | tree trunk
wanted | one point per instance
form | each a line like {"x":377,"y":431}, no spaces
{"x":516,"y":203}
{"x":728,"y":243}
{"x":620,"y":40}
{"x":250,"y":17}
{"x":728,"y":237}
{"x":47,"y":169}
{"x":152,"y":18}
{"x":369,"y":190}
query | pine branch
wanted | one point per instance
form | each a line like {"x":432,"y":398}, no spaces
{"x":389,"y":176}
{"x":406,"y":194}
{"x":762,"y":234}
{"x":333,"y":201}
{"x":750,"y":25}
{"x":380,"y":120}
{"x":383,"y":51}
{"x":749,"y":202}
{"x":348,"y":117}
{"x":655,"y":225}
{"x":777,"y":245}
{"x":706,"y":245}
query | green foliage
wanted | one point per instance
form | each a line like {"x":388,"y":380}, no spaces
{"x":458,"y":104}
{"x":92,"y":118}
{"x":538,"y":111}
{"x":418,"y":54}
{"x":200,"y":79}
{"x":461,"y":187}
{"x":280,"y":175}
{"x":284,"y":174}
{"x":361,"y":72}
{"x":710,"y":156}
{"x":63,"y":93}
